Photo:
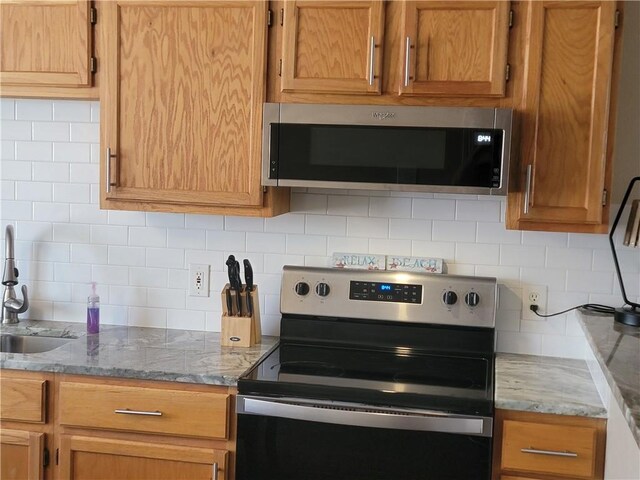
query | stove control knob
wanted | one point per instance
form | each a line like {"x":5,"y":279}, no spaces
{"x":302,"y":288}
{"x":322,"y":289}
{"x":472,"y":299}
{"x":449,"y":297}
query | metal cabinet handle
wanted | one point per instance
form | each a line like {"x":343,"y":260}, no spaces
{"x":108,"y":175}
{"x":126,"y":411}
{"x":554,"y":453}
{"x":372,"y":57}
{"x":527,"y":190}
{"x":215,"y":470}
{"x":407,"y":61}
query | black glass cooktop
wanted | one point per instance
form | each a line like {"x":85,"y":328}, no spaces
{"x":396,"y":378}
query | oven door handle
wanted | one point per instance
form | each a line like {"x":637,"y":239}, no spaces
{"x":340,"y":414}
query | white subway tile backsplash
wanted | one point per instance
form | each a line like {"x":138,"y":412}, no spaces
{"x":390,"y":207}
{"x":15,"y":130}
{"x":71,"y":111}
{"x":131,"y":256}
{"x":85,"y":132}
{"x":307,"y":245}
{"x":287,"y":223}
{"x":49,"y":175}
{"x":453,"y":231}
{"x":146,"y":236}
{"x":165,"y":257}
{"x":66,"y":232}
{"x":181,"y":238}
{"x":326,"y":225}
{"x":71,"y":152}
{"x":92,"y":254}
{"x":432,"y":209}
{"x":34,"y":191}
{"x":478,"y":210}
{"x":348,"y":205}
{"x":477,"y":254}
{"x":50,"y":172}
{"x":15,"y":170}
{"x":148,"y":277}
{"x":401,"y":228}
{"x":34,"y":151}
{"x":52,"y":212}
{"x":71,"y":192}
{"x":50,"y":132}
{"x":33,"y":110}
{"x":367,"y":227}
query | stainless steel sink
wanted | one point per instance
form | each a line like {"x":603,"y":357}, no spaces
{"x":30,"y":344}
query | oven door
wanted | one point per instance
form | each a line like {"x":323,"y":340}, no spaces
{"x":288,"y":439}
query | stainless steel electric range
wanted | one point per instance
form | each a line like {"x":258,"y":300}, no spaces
{"x":377,"y":375}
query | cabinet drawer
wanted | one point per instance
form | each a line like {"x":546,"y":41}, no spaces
{"x":149,"y":410}
{"x":552,"y":449}
{"x":22,"y":400}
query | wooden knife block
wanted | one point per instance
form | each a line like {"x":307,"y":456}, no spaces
{"x":240,"y":331}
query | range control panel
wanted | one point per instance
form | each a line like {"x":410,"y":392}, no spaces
{"x":389,"y":296}
{"x":385,"y":292}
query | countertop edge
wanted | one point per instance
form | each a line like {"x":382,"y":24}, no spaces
{"x":613,"y":385}
{"x":537,"y":407}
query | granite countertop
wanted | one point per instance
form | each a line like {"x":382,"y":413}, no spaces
{"x":617,"y":349}
{"x":546,"y":385}
{"x":136,"y":352}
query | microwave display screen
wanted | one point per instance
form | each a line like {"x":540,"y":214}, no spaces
{"x":386,"y":154}
{"x":355,"y":146}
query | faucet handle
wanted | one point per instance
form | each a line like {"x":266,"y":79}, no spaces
{"x":18,"y":306}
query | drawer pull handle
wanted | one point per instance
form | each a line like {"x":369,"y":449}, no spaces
{"x":126,"y":411}
{"x":554,"y":453}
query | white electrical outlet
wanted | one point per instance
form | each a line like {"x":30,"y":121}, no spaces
{"x":534,"y":295}
{"x":198,"y":280}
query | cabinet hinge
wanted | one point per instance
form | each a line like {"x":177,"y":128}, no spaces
{"x":281,"y":16}
{"x":45,"y":457}
{"x":280,"y":68}
{"x":269,"y":17}
{"x":510,"y":18}
{"x":264,"y":189}
{"x":616,"y":22}
{"x":93,"y":64}
{"x":605,"y":194}
{"x":507,"y":73}
{"x":57,"y":455}
{"x":93,"y":15}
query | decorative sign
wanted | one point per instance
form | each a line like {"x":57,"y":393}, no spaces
{"x":359,"y":261}
{"x":414,"y":264}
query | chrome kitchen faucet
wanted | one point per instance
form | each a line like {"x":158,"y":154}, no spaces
{"x":11,"y":306}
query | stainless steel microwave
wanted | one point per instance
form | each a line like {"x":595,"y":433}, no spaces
{"x":423,"y":149}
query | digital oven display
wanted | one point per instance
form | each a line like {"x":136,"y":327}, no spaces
{"x":385,"y":292}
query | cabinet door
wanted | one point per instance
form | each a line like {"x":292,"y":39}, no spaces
{"x":568,"y":80}
{"x":45,"y":43}
{"x":454,"y":48}
{"x":332,"y":46}
{"x":21,"y":455}
{"x":83,"y":457}
{"x":182,"y":95}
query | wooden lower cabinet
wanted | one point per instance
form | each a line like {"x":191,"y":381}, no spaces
{"x":21,"y":454}
{"x":537,"y":446}
{"x":92,"y":457}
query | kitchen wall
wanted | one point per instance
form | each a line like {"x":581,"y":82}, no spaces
{"x":49,"y":190}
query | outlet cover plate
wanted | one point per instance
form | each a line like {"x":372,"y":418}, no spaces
{"x":534,"y":295}
{"x":199,"y":280}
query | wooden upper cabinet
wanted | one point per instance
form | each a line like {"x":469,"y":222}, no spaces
{"x":182,"y":92}
{"x":565,"y":121}
{"x":454,"y":48}
{"x":332,"y":46}
{"x":45,"y":43}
